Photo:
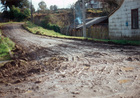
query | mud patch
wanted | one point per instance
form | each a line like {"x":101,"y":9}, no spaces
{"x":54,"y":63}
{"x":133,"y":58}
{"x":17,"y":71}
{"x":95,"y":54}
{"x":41,"y":52}
{"x":66,"y":46}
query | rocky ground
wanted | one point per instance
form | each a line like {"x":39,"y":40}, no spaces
{"x":45,"y":67}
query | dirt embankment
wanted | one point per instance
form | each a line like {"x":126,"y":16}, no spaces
{"x":58,"y":68}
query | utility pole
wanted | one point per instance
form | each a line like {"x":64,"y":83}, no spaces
{"x":74,"y":15}
{"x":31,"y":12}
{"x":84,"y":19}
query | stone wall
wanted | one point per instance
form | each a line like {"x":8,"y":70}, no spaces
{"x":120,"y":22}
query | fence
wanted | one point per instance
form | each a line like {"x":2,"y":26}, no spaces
{"x":96,"y":31}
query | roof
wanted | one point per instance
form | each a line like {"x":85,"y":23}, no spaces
{"x":117,"y":8}
{"x":73,"y":26}
{"x":96,"y":20}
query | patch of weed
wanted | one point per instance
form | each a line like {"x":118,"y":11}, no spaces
{"x":6,"y":45}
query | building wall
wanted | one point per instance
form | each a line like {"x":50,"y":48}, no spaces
{"x":120,"y":22}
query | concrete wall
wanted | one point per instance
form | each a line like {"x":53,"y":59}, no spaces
{"x":118,"y":28}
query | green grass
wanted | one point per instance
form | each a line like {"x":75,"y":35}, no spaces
{"x":4,"y":23}
{"x":122,"y":42}
{"x":34,"y":29}
{"x":37,"y":29}
{"x":6,"y":45}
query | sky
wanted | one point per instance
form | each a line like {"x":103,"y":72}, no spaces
{"x":59,"y":3}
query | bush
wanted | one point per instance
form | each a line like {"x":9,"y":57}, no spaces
{"x":54,"y":27}
{"x":6,"y":45}
{"x":17,"y":14}
{"x":45,"y":23}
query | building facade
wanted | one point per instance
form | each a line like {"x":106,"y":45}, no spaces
{"x":125,"y":22}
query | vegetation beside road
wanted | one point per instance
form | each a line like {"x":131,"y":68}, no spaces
{"x":6,"y":46}
{"x":41,"y":31}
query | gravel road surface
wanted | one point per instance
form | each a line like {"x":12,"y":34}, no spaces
{"x":79,"y":69}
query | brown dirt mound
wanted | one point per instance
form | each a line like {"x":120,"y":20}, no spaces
{"x":17,"y":71}
{"x":19,"y":68}
{"x":23,"y":66}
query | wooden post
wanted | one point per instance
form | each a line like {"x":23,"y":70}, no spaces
{"x":84,"y":21}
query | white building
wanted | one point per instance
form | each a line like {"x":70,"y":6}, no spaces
{"x":125,"y":22}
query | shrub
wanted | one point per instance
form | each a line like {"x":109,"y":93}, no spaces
{"x":54,"y":27}
{"x":45,"y":23}
{"x":18,"y":14}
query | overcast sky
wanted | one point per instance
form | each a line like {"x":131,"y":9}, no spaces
{"x":59,"y":3}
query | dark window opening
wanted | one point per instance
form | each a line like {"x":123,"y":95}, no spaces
{"x":135,"y":19}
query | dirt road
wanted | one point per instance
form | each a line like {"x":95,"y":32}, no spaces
{"x":73,"y":68}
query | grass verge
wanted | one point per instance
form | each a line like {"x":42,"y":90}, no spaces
{"x":6,"y":45}
{"x":41,"y":31}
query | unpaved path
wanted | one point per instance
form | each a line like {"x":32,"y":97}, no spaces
{"x":79,"y":69}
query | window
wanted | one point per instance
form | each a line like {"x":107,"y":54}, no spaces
{"x":134,"y":19}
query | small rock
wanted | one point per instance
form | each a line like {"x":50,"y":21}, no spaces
{"x":129,"y":59}
{"x":8,"y":84}
{"x":87,"y":65}
{"x":76,"y":92}
{"x":18,"y":81}
{"x":17,"y":89}
{"x":38,"y":82}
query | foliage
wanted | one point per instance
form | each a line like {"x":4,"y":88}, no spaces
{"x":16,"y":3}
{"x":37,"y":29}
{"x":6,"y":45}
{"x":14,"y":12}
{"x":17,"y":14}
{"x":54,"y":27}
{"x":45,"y":23}
{"x":26,"y":13}
{"x":42,"y":5}
{"x":53,"y":7}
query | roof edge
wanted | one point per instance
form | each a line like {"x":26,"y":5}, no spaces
{"x":116,"y":8}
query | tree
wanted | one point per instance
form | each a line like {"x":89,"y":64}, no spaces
{"x":17,"y":3}
{"x":42,"y":5}
{"x":18,"y":14}
{"x":33,"y":8}
{"x":26,"y":13}
{"x":53,"y":7}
